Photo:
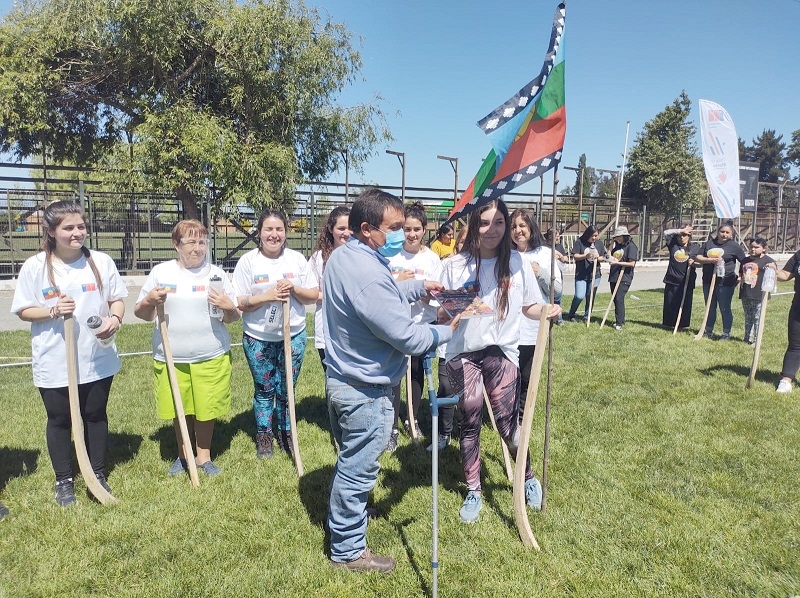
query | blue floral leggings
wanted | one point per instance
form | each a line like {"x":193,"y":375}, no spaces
{"x":266,"y":360}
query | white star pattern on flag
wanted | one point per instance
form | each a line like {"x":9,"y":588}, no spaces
{"x":534,"y":90}
{"x":508,"y":112}
{"x":516,"y":177}
{"x":492,"y":123}
{"x":531,"y":169}
{"x":502,"y":185}
{"x":523,"y":101}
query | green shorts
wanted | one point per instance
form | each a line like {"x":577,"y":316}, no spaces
{"x":205,"y":388}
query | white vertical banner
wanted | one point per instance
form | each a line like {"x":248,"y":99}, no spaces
{"x":720,"y":158}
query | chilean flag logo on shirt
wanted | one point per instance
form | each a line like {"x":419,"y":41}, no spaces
{"x":198,"y":288}
{"x":289,"y":276}
{"x":89,"y":287}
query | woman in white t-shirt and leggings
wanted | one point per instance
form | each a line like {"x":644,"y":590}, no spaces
{"x":67,"y":278}
{"x":198,"y":338}
{"x":264,"y":279}
{"x":483,"y":350}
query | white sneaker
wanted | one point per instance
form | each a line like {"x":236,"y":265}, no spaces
{"x":784,"y":386}
{"x":442,"y":443}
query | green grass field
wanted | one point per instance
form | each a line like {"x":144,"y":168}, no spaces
{"x":666,"y":478}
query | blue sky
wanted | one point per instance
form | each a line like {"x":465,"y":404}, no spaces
{"x":441,"y":65}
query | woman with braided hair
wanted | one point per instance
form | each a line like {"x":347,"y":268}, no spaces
{"x":66,"y":278}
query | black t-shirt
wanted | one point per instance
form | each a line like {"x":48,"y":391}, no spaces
{"x":729,"y":251}
{"x":624,"y":253}
{"x":752,"y":274}
{"x":793,"y":266}
{"x":679,"y":257}
{"x":583,"y":268}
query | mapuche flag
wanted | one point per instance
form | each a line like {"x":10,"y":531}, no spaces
{"x":527,"y":131}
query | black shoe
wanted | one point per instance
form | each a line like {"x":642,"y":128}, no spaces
{"x":3,"y":511}
{"x":368,"y":562}
{"x":264,"y":445}
{"x":65,"y":493}
{"x":285,"y":442}
{"x":101,"y":477}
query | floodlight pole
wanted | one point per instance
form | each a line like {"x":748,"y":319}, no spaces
{"x":454,"y":165}
{"x":401,"y":156}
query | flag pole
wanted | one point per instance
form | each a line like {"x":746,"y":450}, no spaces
{"x":622,"y":174}
{"x":551,"y":301}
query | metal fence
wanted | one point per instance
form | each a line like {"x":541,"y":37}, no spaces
{"x":134,"y":228}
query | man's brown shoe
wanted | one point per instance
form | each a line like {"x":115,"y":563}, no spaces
{"x":368,"y":562}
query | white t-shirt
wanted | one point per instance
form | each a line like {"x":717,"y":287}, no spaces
{"x":426,"y":265}
{"x":194,"y":336}
{"x":474,"y":334}
{"x":77,"y":280}
{"x":529,"y":329}
{"x":255,"y":274}
{"x":314,"y":279}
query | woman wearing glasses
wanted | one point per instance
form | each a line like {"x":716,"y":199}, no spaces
{"x":264,"y":279}
{"x":682,"y":257}
{"x":196,"y":313}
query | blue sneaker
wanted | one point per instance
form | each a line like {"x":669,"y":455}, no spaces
{"x":209,"y":468}
{"x":471,"y":507}
{"x":178,"y":467}
{"x":533,"y":494}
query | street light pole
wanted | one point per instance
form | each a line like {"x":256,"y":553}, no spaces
{"x":454,"y":165}
{"x":401,"y":156}
{"x":345,"y":155}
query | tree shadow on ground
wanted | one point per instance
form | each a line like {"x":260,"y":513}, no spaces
{"x":16,"y":462}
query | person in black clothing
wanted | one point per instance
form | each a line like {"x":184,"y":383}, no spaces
{"x":682,"y":254}
{"x":752,"y":275}
{"x":623,"y":260}
{"x":585,"y":250}
{"x":722,"y":249}
{"x":791,"y":359}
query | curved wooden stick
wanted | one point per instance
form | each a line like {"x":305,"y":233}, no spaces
{"x":287,"y":359}
{"x":700,"y":332}
{"x":759,"y":336}
{"x":591,"y":292}
{"x":188,"y":451}
{"x":520,"y":512}
{"x":506,"y":453}
{"x":611,"y":302}
{"x":683,"y":298}
{"x":412,"y":422}
{"x":92,"y":483}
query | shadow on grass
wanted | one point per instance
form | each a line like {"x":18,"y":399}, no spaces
{"x":15,"y":462}
{"x":411,"y":555}
{"x":767,"y":376}
{"x":121,"y":448}
{"x":313,"y":488}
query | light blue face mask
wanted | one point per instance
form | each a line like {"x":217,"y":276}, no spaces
{"x":393,"y":244}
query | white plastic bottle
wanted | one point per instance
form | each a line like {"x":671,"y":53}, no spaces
{"x":94,"y":323}
{"x":719,"y":268}
{"x":768,"y":283}
{"x":215,"y":282}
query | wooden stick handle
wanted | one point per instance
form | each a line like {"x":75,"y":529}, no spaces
{"x":412,"y":423}
{"x":761,"y":319}
{"x":188,"y":452}
{"x":506,"y":453}
{"x":700,"y":332}
{"x":287,"y":359}
{"x":683,"y":298}
{"x":591,"y":293}
{"x":611,"y":301}
{"x":520,"y":512}
{"x":85,"y":465}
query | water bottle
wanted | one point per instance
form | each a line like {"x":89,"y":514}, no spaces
{"x":93,"y":324}
{"x":215,"y":282}
{"x":768,"y":283}
{"x":719,"y":268}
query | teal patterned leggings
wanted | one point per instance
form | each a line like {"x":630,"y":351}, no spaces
{"x":266,"y":360}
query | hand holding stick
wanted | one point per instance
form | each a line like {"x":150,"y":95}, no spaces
{"x":188,"y":452}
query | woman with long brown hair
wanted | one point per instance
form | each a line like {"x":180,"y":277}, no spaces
{"x":66,"y":278}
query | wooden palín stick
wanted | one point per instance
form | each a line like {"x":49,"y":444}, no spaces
{"x":683,"y":298}
{"x":520,"y":513}
{"x":287,"y":359}
{"x":611,"y":302}
{"x":412,"y":423}
{"x":700,"y":332}
{"x":506,"y":453}
{"x":188,"y":452}
{"x":759,"y":337}
{"x":591,"y":292}
{"x":85,"y":465}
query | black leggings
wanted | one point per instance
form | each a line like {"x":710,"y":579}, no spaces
{"x":791,"y":359}
{"x":446,"y":412}
{"x":93,"y":398}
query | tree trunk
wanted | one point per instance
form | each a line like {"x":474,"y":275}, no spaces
{"x":189,"y":202}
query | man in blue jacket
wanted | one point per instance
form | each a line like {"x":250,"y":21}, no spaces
{"x":368,"y":334}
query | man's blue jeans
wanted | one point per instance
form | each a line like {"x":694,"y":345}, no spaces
{"x":361,"y":421}
{"x":723,"y":296}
